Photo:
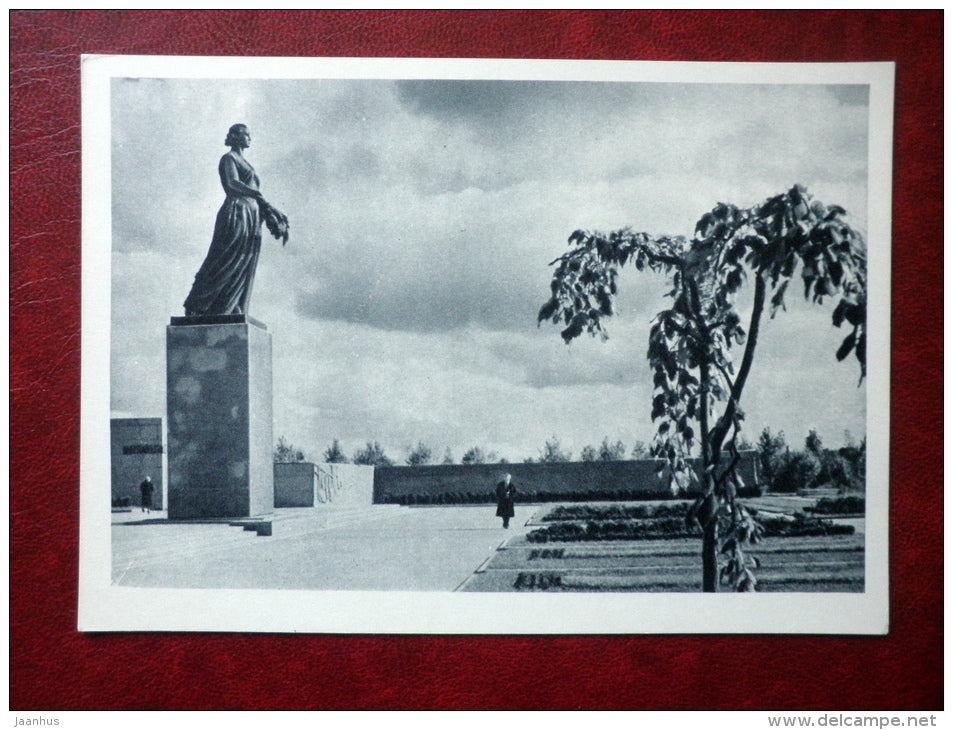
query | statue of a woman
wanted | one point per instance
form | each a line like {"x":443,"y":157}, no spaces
{"x":224,"y":282}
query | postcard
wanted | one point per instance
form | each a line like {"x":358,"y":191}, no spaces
{"x":485,"y":346}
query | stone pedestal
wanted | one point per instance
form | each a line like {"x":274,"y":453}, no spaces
{"x":218,"y":395}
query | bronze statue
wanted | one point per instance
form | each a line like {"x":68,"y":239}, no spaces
{"x":224,"y":282}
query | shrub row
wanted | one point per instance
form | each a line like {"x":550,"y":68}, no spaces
{"x":802,"y":526}
{"x":531,"y":497}
{"x":657,"y":529}
{"x":616,"y":512}
{"x":441,"y":498}
{"x":675,"y":527}
{"x":526,"y":497}
{"x":839,"y":506}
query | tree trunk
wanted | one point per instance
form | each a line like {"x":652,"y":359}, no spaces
{"x":710,"y":545}
{"x":712,"y":445}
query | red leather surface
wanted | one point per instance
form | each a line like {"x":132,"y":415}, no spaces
{"x":54,"y":667}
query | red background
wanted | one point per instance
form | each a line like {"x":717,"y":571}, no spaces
{"x":53,"y":667}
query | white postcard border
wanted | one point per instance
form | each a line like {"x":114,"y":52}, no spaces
{"x":105,"y":607}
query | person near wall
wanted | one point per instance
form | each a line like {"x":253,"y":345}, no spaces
{"x":505,"y":494}
{"x":145,"y":491}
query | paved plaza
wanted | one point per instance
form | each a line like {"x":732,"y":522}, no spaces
{"x":445,"y":548}
{"x":380,"y":547}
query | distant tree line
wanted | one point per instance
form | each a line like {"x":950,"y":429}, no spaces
{"x":784,"y":469}
{"x":788,"y":470}
{"x":287,"y":453}
{"x":421,"y":455}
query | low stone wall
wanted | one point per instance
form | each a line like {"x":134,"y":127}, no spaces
{"x":295,"y":484}
{"x":347,"y":484}
{"x":306,"y":484}
{"x":137,"y":451}
{"x":563,"y":481}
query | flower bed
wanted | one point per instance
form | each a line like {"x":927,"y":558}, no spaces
{"x":595,"y":530}
{"x":664,"y":528}
{"x":839,"y":506}
{"x":616,"y":512}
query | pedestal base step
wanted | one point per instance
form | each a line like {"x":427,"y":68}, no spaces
{"x":261,"y":527}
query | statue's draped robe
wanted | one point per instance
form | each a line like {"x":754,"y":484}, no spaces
{"x":224,"y":282}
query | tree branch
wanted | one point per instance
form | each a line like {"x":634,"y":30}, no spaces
{"x":661,"y":258}
{"x":720,"y":431}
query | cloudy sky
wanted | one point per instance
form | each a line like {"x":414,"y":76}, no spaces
{"x":423,"y":218}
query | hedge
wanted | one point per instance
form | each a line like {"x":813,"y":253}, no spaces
{"x":543,"y":496}
{"x":839,"y":506}
{"x":616,"y":512}
{"x":663,"y":528}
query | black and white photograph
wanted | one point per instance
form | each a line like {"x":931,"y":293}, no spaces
{"x":472,"y":346}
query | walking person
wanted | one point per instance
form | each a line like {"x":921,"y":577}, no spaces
{"x":505,"y":494}
{"x":145,"y":491}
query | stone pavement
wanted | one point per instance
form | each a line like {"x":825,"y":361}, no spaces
{"x":383,"y":547}
{"x":444,"y":548}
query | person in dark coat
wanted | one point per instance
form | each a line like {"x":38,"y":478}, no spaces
{"x":145,"y":490}
{"x":505,"y":494}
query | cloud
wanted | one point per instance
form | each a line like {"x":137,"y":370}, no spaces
{"x":458,"y":392}
{"x":423,"y":217}
{"x":442,"y":200}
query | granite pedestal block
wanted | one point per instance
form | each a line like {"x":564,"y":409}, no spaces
{"x":219,"y":401}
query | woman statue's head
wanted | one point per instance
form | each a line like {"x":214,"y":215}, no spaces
{"x":235,"y":135}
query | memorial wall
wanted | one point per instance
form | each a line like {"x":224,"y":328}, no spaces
{"x":576,"y":480}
